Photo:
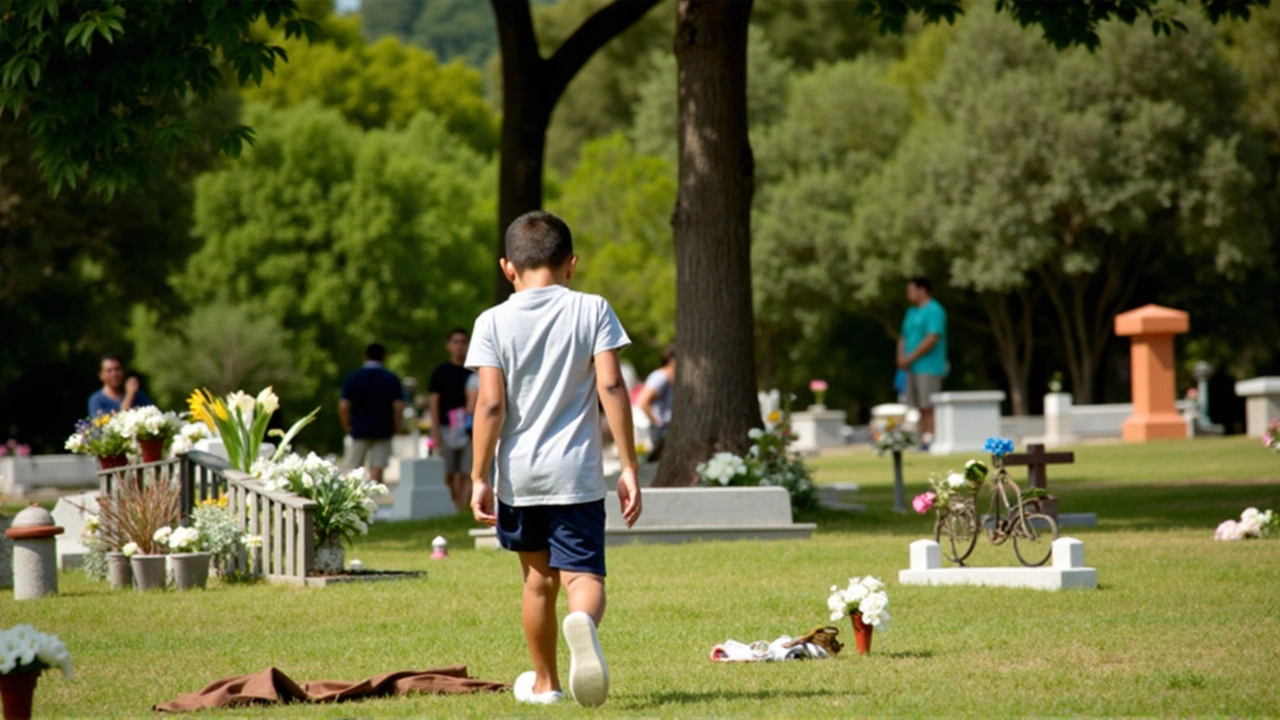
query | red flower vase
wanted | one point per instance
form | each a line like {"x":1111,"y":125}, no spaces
{"x":152,"y":450}
{"x":112,"y":461}
{"x":861,"y":634}
{"x":18,"y":691}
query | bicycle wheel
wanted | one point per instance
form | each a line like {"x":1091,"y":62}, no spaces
{"x":1033,"y":539}
{"x":961,"y":530}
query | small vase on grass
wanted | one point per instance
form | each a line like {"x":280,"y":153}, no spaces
{"x":119,"y":571}
{"x":331,"y":558}
{"x":861,"y":634}
{"x":866,"y":603}
{"x":18,"y":683}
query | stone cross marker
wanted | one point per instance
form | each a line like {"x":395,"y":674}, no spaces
{"x":1037,"y":462}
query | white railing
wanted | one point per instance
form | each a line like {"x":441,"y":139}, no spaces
{"x":284,"y":521}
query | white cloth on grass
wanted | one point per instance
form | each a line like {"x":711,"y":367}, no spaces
{"x":761,"y":651}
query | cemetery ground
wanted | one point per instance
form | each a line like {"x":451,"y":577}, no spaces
{"x":1180,"y":624}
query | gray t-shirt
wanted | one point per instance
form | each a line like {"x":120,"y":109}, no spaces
{"x":545,"y":341}
{"x":664,"y":391}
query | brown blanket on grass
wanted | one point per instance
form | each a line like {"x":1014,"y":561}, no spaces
{"x":273,"y":686}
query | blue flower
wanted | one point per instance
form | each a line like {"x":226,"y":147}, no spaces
{"x":998,"y":447}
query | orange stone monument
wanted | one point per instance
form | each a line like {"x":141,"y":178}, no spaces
{"x":1152,"y":328}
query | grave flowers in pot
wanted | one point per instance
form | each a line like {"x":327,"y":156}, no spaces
{"x":866,"y":603}
{"x":25,"y":653}
{"x":344,"y":501}
{"x":101,"y":437}
{"x":138,"y":518}
{"x":151,"y":429}
{"x":768,"y":462}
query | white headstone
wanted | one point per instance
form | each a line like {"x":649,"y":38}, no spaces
{"x":421,"y":493}
{"x":1262,"y":403}
{"x":67,"y":514}
{"x":964,"y":420}
{"x":925,"y":555}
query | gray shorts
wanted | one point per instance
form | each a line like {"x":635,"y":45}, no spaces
{"x":457,"y":461}
{"x":920,"y":390}
{"x":368,"y":452}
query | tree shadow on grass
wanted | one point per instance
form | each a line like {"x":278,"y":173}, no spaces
{"x":684,"y":697}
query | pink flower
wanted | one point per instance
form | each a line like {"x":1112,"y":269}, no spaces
{"x":1193,"y":393}
{"x":3,"y":451}
{"x":818,"y":385}
{"x":923,"y":502}
{"x":1229,"y":530}
{"x":24,"y":451}
{"x":1266,"y":441}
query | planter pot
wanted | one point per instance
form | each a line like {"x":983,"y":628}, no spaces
{"x":112,"y":461}
{"x":152,"y":450}
{"x":148,"y":572}
{"x":861,"y":634}
{"x":331,"y":558}
{"x":119,"y":571}
{"x":18,"y":691}
{"x":190,"y":570}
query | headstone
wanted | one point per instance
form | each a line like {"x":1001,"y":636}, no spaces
{"x":214,"y":446}
{"x":1151,"y":329}
{"x":21,"y":475}
{"x":1066,"y":570}
{"x":1262,"y":403}
{"x":421,"y":493}
{"x":67,"y":514}
{"x":964,"y":420}
{"x":817,"y":430}
{"x":1058,"y":431}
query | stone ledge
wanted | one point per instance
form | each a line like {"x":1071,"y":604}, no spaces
{"x":1258,"y":386}
{"x":487,"y":538}
{"x":321,"y":581}
{"x":1039,"y":578}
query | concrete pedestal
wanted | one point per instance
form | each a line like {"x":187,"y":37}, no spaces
{"x":1151,"y":329}
{"x":816,"y":430}
{"x":964,"y":420}
{"x":1066,"y":571}
{"x":1262,"y":403}
{"x":421,"y":493}
{"x":1058,"y":432}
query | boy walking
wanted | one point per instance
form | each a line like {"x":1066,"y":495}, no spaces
{"x":544,"y":357}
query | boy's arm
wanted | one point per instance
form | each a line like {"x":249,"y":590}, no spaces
{"x":612,"y":389}
{"x":491,"y":408}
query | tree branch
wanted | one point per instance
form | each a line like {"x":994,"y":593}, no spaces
{"x":516,"y":39}
{"x":605,"y":24}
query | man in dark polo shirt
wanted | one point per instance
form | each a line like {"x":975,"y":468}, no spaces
{"x":450,"y":428}
{"x":372,"y":408}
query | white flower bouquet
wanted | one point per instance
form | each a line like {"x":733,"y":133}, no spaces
{"x":725,"y":468}
{"x":25,"y":649}
{"x":894,"y":436}
{"x":148,"y":423}
{"x":344,"y":501}
{"x":864,"y":596}
{"x":188,"y":436}
{"x":1253,"y":524}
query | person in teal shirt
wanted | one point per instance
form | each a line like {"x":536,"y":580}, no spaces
{"x":922,"y":351}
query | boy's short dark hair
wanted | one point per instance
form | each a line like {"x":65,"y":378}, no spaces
{"x":375,"y":352}
{"x":921,"y":282}
{"x":110,"y":357}
{"x":668,"y":354}
{"x":459,"y":331}
{"x":538,"y":239}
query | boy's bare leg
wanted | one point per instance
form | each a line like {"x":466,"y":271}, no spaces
{"x":586,"y":593}
{"x":538,"y":611}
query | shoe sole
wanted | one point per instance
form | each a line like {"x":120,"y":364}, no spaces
{"x":588,"y":674}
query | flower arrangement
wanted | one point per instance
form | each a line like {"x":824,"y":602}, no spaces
{"x":768,"y":462}
{"x":864,"y":596}
{"x":220,"y":535}
{"x":344,"y":501}
{"x":1253,"y":524}
{"x":147,"y":423}
{"x":24,"y":649}
{"x":819,"y":389}
{"x":1271,"y":438}
{"x":100,"y":437}
{"x":724,"y":469}
{"x":240,"y":421}
{"x":188,"y":435}
{"x":998,"y":447}
{"x":951,"y":489}
{"x":894,"y":437}
{"x":1055,"y":382}
{"x":138,"y":516}
{"x":13,"y":447}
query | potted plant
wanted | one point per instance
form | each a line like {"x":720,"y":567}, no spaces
{"x":866,"y":603}
{"x":151,"y":429}
{"x":101,"y":437}
{"x":344,"y":502}
{"x":220,"y":535}
{"x":188,"y":560}
{"x":819,"y":389}
{"x":240,"y":421}
{"x":138,"y":517}
{"x":25,"y":653}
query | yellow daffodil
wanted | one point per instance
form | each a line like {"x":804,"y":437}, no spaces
{"x":199,"y":403}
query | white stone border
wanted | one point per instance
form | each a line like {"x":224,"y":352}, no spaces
{"x":1067,"y":570}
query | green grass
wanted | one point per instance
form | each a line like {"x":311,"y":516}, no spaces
{"x":1180,"y":625}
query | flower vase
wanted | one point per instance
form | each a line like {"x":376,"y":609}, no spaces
{"x":18,"y":692}
{"x":152,"y":450}
{"x":331,"y":558}
{"x":112,"y":461}
{"x":861,"y":634}
{"x":190,"y":570}
{"x":119,"y":571}
{"x":148,"y":572}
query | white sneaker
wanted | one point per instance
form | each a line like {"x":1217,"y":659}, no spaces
{"x":524,"y":691}
{"x":588,"y":674}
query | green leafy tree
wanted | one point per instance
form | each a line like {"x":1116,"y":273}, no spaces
{"x":345,"y":237}
{"x":385,"y":83}
{"x":462,"y":29}
{"x":1050,"y":182}
{"x":101,"y":86}
{"x":619,"y":206}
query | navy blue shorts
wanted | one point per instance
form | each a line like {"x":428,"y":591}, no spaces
{"x":573,"y":533}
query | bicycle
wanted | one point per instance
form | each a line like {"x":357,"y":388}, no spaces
{"x":1032,"y":531}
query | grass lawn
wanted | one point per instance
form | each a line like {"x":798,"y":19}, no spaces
{"x":1180,"y":625}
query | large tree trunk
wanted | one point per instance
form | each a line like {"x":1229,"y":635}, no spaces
{"x":1014,"y":340}
{"x":715,"y":393}
{"x":531,"y":87}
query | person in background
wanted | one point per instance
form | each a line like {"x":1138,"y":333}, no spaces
{"x":118,"y":392}
{"x":371,"y":409}
{"x":656,"y":398}
{"x":922,"y":351}
{"x":447,"y":403}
